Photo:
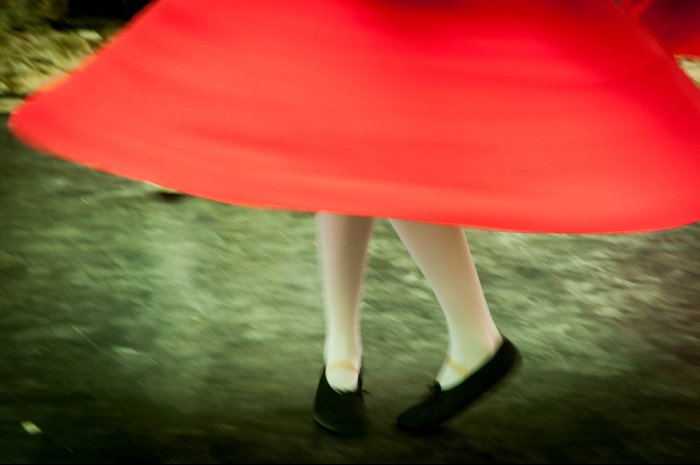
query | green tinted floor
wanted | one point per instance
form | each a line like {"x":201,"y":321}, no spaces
{"x":136,"y":329}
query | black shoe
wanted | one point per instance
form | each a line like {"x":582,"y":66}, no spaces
{"x":440,"y":406}
{"x":340,"y":412}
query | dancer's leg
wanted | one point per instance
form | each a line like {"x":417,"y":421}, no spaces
{"x":342,"y":243}
{"x":443,"y":256}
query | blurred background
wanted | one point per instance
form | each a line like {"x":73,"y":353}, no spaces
{"x":40,"y":39}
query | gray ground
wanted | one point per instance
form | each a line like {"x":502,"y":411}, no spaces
{"x":139,"y":329}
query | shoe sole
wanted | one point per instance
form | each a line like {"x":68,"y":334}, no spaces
{"x":346,"y":433}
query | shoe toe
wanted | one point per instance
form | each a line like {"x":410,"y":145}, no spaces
{"x":342,"y":413}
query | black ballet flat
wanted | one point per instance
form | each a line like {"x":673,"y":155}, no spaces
{"x":440,"y":406}
{"x":341,"y":412}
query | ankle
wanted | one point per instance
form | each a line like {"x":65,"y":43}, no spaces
{"x":464,"y":361}
{"x":339,"y":352}
{"x":347,"y":365}
{"x":343,"y":375}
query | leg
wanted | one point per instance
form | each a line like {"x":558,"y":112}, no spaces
{"x":443,"y":256}
{"x":342,"y":243}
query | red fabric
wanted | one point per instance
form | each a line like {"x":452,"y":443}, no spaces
{"x":558,"y":116}
{"x":676,"y":23}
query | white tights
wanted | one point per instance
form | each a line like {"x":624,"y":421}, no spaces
{"x":443,"y":256}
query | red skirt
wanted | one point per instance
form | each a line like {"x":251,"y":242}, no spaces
{"x":559,"y":116}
